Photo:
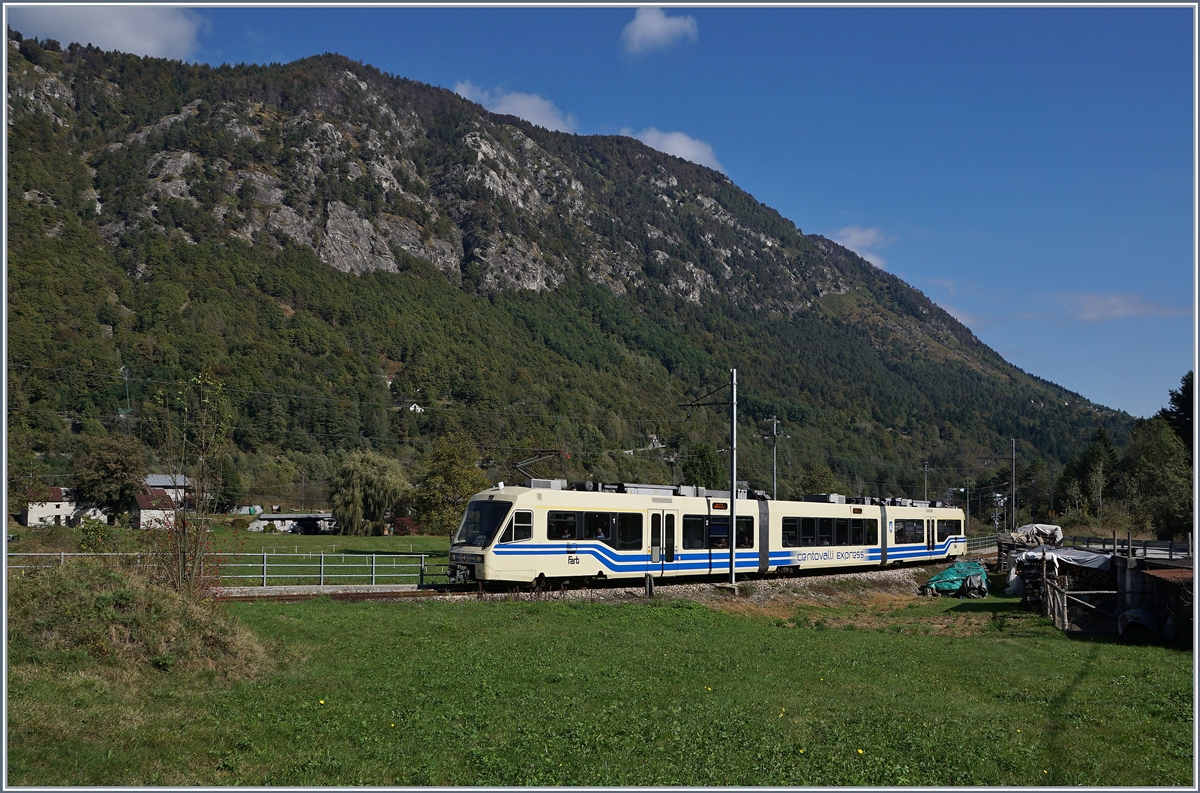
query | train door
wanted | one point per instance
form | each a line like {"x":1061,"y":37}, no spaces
{"x":930,"y":533}
{"x":662,"y":542}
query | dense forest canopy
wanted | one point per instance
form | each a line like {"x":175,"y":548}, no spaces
{"x":367,"y":263}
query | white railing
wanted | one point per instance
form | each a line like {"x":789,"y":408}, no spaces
{"x":272,"y":569}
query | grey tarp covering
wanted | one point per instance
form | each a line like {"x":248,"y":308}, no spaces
{"x":1046,"y":533}
{"x":1075,"y":556}
{"x":965,"y":579}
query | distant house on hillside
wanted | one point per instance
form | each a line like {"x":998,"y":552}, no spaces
{"x":177,"y":486}
{"x":152,"y":510}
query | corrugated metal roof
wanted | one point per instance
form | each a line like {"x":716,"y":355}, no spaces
{"x":168,"y":480}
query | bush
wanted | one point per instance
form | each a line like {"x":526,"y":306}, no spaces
{"x":96,"y":536}
{"x":240,"y":523}
{"x":89,"y":607}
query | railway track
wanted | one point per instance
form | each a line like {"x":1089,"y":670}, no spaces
{"x":573,"y":590}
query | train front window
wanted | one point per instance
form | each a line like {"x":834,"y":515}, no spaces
{"x":480,"y":523}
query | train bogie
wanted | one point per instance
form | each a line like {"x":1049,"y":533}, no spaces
{"x":522,"y":534}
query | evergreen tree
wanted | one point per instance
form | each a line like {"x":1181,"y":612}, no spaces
{"x":1179,"y":414}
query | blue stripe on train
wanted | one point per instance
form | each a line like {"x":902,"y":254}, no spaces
{"x":748,"y":559}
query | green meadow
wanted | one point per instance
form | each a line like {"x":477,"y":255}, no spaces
{"x":869,"y":691}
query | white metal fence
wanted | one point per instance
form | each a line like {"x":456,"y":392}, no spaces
{"x":273,"y":569}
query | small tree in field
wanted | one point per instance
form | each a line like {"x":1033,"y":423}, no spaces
{"x":364,"y":490}
{"x":442,"y":494}
{"x":197,"y":421}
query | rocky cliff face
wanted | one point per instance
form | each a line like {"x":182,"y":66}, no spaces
{"x":366,"y":170}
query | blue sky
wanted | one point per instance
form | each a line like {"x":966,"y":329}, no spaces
{"x":1030,"y":170}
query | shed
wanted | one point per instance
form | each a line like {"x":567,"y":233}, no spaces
{"x":152,"y":510}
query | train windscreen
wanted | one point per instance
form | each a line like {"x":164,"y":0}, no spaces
{"x":480,"y":523}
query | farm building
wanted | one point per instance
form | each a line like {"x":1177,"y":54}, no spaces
{"x":176,"y":486}
{"x":55,"y":510}
{"x":295,"y":522}
{"x":152,"y":510}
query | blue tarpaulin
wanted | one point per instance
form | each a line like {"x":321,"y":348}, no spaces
{"x":963,"y":579}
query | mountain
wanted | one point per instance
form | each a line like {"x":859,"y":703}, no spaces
{"x":338,"y":245}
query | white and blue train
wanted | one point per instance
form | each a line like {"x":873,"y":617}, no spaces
{"x":550,"y":530}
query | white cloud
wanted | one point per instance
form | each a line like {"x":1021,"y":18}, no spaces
{"x":142,"y":30}
{"x":651,"y":29}
{"x":864,"y":242}
{"x":679,"y":144}
{"x":1101,"y":308}
{"x":530,"y":107}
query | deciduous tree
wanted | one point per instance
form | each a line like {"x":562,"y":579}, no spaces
{"x":109,"y":471}
{"x":453,"y":477}
{"x":365,"y":490}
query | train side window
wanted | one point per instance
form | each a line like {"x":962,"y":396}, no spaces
{"x":693,"y":531}
{"x":507,"y":536}
{"x":910,"y":531}
{"x":872,"y":532}
{"x":745,"y":531}
{"x":825,"y":531}
{"x":948,"y":528}
{"x":808,"y":532}
{"x":791,"y":532}
{"x":656,"y":530}
{"x":841,"y":531}
{"x":629,"y":531}
{"x":596,"y":526}
{"x":718,"y":532}
{"x":522,"y":525}
{"x":560,"y":526}
{"x":856,"y":531}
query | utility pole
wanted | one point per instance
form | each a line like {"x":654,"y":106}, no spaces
{"x":774,"y":438}
{"x":926,"y":467}
{"x":732,"y":475}
{"x":1014,"y":484}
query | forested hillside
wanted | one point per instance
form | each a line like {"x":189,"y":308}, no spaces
{"x":369,"y":262}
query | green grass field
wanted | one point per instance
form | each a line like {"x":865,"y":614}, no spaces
{"x":869,"y":691}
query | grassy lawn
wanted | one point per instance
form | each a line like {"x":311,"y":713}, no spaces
{"x":862,"y":691}
{"x":229,"y":540}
